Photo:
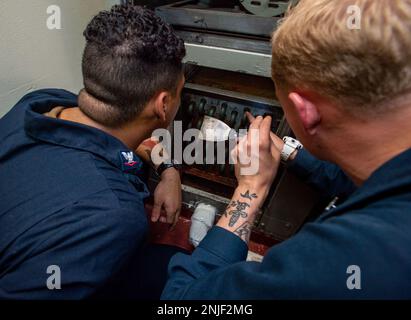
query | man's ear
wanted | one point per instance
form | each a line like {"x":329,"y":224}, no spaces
{"x":160,"y":105}
{"x":307,"y":111}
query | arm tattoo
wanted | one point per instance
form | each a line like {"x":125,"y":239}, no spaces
{"x":240,"y":208}
{"x":238,"y":212}
{"x":248,"y":195}
{"x":244,"y":231}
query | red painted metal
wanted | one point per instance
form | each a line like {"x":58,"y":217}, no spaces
{"x":160,"y":233}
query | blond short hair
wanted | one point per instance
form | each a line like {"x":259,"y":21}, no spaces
{"x":360,"y":69}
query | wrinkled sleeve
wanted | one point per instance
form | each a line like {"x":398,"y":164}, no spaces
{"x":88,"y":247}
{"x":303,"y":267}
{"x":326,"y":177}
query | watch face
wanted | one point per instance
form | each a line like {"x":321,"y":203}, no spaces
{"x":293,"y":142}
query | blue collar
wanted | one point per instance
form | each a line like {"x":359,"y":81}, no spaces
{"x":393,"y":177}
{"x":75,"y":135}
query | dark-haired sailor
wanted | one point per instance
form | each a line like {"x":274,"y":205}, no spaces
{"x":72,"y":219}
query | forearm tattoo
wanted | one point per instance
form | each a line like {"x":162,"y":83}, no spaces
{"x":238,"y":209}
{"x":236,"y":213}
{"x":244,"y":231}
{"x":248,"y":195}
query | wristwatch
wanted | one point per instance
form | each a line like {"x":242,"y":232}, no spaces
{"x":167,"y":165}
{"x":290,"y":145}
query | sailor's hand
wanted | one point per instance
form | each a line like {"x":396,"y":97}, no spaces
{"x":258,"y":158}
{"x":167,"y":198}
{"x":278,"y":142}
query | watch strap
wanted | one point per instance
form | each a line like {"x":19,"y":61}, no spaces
{"x":167,"y":165}
{"x":290,"y":145}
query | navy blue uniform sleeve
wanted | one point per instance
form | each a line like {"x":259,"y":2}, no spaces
{"x":326,"y":177}
{"x":90,"y":245}
{"x":209,"y":255}
{"x":311,"y":265}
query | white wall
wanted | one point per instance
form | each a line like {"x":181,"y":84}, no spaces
{"x":32,"y":56}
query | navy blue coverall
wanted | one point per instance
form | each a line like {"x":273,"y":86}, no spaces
{"x":71,"y":197}
{"x":359,"y":250}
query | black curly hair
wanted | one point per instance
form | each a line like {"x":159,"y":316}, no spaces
{"x":130,"y":55}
